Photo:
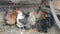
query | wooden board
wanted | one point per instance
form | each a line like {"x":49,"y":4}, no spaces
{"x":57,"y":21}
{"x":56,"y":4}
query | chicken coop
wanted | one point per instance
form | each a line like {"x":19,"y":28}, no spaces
{"x":7,"y":15}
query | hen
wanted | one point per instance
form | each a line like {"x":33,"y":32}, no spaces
{"x":31,"y":19}
{"x":49,"y":19}
{"x":11,"y":18}
{"x":40,"y":23}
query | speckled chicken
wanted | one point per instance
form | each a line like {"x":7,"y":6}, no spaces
{"x":31,"y":19}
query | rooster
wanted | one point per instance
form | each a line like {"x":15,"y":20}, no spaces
{"x":20,"y":19}
{"x":11,"y":18}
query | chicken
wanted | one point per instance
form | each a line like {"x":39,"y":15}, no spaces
{"x":40,"y":23}
{"x":32,"y":18}
{"x":20,"y":19}
{"x":31,"y":21}
{"x":41,"y":15}
{"x":11,"y":18}
{"x":49,"y":20}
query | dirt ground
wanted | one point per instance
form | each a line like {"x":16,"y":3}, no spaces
{"x":5,"y":29}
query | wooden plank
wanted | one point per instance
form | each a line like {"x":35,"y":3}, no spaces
{"x":56,"y":4}
{"x":54,"y":14}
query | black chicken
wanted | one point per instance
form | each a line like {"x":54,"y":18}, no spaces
{"x":41,"y":23}
{"x":49,"y":20}
{"x":41,"y":26}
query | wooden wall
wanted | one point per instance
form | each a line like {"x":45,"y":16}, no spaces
{"x":31,"y":1}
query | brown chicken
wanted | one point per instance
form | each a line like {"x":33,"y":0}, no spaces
{"x":11,"y":18}
{"x":41,"y":15}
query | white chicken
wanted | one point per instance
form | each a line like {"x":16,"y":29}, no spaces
{"x":19,"y":16}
